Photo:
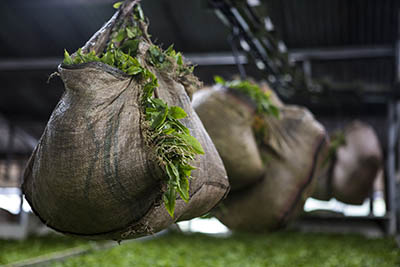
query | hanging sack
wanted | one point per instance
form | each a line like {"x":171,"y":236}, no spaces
{"x":115,"y":159}
{"x":357,"y":164}
{"x":228,"y":117}
{"x":290,"y":149}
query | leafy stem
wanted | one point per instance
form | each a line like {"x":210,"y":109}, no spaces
{"x":254,"y":92}
{"x":173,"y":145}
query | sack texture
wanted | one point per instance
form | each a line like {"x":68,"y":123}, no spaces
{"x":228,"y":118}
{"x":294,"y":157}
{"x":92,"y":173}
{"x":291,"y":153}
{"x":357,"y":164}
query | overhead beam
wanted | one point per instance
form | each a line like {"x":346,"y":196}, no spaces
{"x":226,"y":58}
{"x":214,"y":59}
{"x":61,"y":3}
{"x":29,"y":64}
{"x":202,"y":59}
{"x":342,"y":53}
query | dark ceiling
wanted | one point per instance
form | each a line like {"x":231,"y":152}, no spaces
{"x":33,"y":35}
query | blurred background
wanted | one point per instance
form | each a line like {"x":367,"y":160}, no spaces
{"x":346,"y":54}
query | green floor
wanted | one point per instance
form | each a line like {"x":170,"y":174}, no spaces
{"x":277,"y":249}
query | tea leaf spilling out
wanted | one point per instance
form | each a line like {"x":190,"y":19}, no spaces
{"x":254,"y":92}
{"x":174,"y":147}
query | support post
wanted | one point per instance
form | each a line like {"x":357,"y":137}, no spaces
{"x":390,"y":177}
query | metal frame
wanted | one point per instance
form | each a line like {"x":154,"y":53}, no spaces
{"x":392,"y":156}
{"x":262,"y":47}
{"x":259,"y":41}
{"x":18,"y":229}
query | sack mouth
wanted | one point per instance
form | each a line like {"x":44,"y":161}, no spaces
{"x":95,"y":65}
{"x":245,"y":99}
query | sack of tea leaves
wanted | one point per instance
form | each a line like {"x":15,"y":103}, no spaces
{"x":123,"y":154}
{"x":357,"y":164}
{"x":228,"y":117}
{"x":323,"y":189}
{"x":291,"y":147}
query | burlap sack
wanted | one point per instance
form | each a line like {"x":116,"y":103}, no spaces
{"x":271,"y":177}
{"x":294,"y":149}
{"x":357,"y":164}
{"x":323,"y":187}
{"x":92,"y":174}
{"x":228,"y":117}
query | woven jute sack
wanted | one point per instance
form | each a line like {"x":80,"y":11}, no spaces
{"x":294,"y":150}
{"x":357,"y":164}
{"x":323,"y":188}
{"x":92,"y":174}
{"x":272,"y":177}
{"x":228,"y":116}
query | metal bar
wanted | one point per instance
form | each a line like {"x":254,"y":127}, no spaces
{"x":226,"y":58}
{"x":202,"y":59}
{"x":215,"y":59}
{"x":61,"y":3}
{"x":397,"y":52}
{"x":29,"y":64}
{"x":390,"y":182}
{"x":307,"y":69}
{"x":391,"y":179}
{"x":10,"y":147}
{"x":341,"y":53}
{"x":233,"y":40}
{"x":371,"y":205}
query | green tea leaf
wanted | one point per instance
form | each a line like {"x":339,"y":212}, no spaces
{"x":170,"y":173}
{"x":129,"y":33}
{"x":139,"y":12}
{"x":159,"y":103}
{"x":67,"y":58}
{"x":117,"y":5}
{"x":159,"y":120}
{"x":108,"y":59}
{"x":274,"y":111}
{"x":179,"y":59}
{"x":134,"y":70}
{"x":148,"y":90}
{"x":121,"y":35}
{"x":254,"y":92}
{"x":190,"y":140}
{"x":219,"y":80}
{"x":187,"y":169}
{"x":170,"y":50}
{"x":179,"y":126}
{"x":130,"y":47}
{"x":183,"y":188}
{"x":168,"y":131}
{"x":177,"y":112}
{"x":169,"y":200}
{"x":175,"y":172}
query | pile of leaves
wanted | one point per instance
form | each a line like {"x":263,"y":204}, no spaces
{"x":172,"y":142}
{"x":263,"y":102}
{"x":337,"y":140}
{"x":254,"y":92}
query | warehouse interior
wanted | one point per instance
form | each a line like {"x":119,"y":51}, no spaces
{"x":339,"y":59}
